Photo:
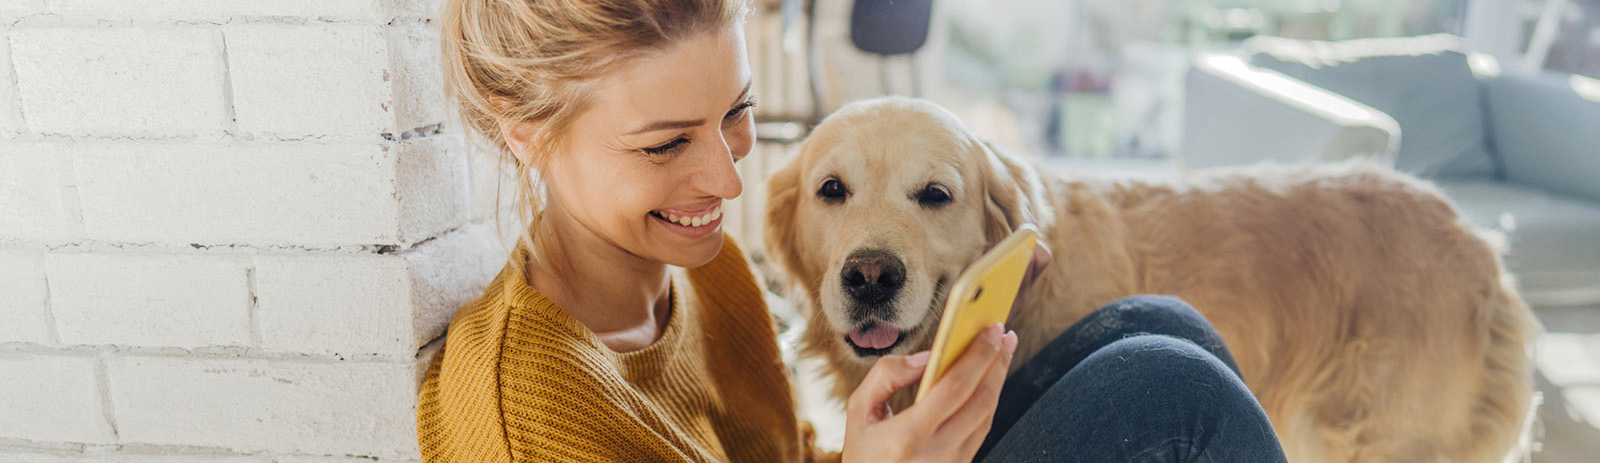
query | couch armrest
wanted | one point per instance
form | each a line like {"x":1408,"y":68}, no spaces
{"x":1237,"y":114}
{"x":1546,"y":130}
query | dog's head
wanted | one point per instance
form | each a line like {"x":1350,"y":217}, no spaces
{"x":881,"y":209}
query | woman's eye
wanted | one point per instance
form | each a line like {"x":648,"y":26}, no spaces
{"x":933,"y":196}
{"x":832,"y":191}
{"x":667,"y":148}
{"x":740,"y":110}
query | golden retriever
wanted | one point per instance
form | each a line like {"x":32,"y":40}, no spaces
{"x":1371,"y":321}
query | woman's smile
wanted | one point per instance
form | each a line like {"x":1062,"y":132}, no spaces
{"x":692,"y":224}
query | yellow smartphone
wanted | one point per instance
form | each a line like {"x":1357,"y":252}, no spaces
{"x":981,"y":297}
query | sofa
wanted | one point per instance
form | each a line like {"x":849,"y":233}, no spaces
{"x":1518,"y":152}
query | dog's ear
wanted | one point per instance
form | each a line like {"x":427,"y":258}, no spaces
{"x":1010,"y":188}
{"x":778,"y":232}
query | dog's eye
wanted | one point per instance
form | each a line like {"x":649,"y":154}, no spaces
{"x":832,"y":191}
{"x":933,"y":196}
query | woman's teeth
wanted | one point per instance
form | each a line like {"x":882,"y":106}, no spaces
{"x":692,"y":221}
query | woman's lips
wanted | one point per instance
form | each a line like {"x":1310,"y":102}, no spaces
{"x":692,"y":226}
{"x":689,"y":219}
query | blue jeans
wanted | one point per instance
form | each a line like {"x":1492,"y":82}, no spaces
{"x":1144,"y":379}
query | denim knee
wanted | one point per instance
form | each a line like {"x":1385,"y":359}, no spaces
{"x":1173,"y":384}
{"x":1162,"y":315}
{"x":1142,"y":398}
{"x":1178,"y":370}
{"x":1152,"y":310}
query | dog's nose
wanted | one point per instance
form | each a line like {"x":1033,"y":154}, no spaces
{"x":872,"y":276}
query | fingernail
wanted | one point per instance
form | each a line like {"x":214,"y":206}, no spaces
{"x":918,"y":360}
{"x":1011,"y":342}
{"x":995,"y":334}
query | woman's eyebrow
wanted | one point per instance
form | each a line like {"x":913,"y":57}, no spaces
{"x":683,"y":124}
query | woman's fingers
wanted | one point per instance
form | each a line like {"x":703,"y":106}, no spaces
{"x":975,"y":416}
{"x":962,"y":378}
{"x":869,"y":402}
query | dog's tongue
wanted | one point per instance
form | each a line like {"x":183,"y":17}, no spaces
{"x":877,"y":336}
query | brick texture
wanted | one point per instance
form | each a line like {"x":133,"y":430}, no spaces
{"x":149,"y":300}
{"x":315,"y":408}
{"x":296,"y":82}
{"x":22,"y":309}
{"x":129,"y":82}
{"x":258,"y":193}
{"x":55,"y":398}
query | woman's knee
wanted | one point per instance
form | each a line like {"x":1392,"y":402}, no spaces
{"x":1165,"y":315}
{"x":1167,"y":373}
{"x":1153,"y":309}
{"x":1144,"y":394}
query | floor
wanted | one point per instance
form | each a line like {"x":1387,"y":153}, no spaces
{"x":1567,"y":430}
{"x":1569,"y":378}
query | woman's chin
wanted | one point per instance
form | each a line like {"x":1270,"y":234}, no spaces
{"x":693,"y":254}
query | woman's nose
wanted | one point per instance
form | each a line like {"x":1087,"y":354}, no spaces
{"x":715,"y":173}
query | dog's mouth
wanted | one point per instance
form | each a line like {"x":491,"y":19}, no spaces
{"x":873,"y":339}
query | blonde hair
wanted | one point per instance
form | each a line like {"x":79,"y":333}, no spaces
{"x":536,"y":60}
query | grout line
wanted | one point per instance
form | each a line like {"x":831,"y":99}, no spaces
{"x":51,"y":331}
{"x":255,"y":318}
{"x":231,"y":249}
{"x":8,"y":77}
{"x":79,"y":21}
{"x":71,"y":199}
{"x":108,"y":406}
{"x":230,"y":117}
{"x":114,"y":451}
{"x":23,"y":349}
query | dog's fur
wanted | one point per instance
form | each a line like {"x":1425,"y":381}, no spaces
{"x":1371,"y":321}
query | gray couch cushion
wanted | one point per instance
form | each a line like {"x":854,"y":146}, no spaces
{"x":1554,"y":239}
{"x":1547,"y":131}
{"x":1423,"y":82}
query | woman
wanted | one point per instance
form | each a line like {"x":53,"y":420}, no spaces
{"x":596,"y":344}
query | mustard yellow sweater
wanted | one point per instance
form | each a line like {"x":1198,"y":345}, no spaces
{"x":521,"y":381}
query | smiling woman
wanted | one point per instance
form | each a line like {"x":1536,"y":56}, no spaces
{"x":626,"y":326}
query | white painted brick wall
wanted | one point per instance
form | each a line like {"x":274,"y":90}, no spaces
{"x":432,"y":184}
{"x":256,"y":193}
{"x":35,"y":194}
{"x":10,"y":107}
{"x":23,"y":315}
{"x":53,"y":398}
{"x":153,"y":300}
{"x":341,"y":305}
{"x":136,"y":81}
{"x":12,"y":9}
{"x":414,"y":52}
{"x":218,"y":10}
{"x":310,"y":81}
{"x":230,"y":230}
{"x":332,"y":408}
{"x":105,"y":456}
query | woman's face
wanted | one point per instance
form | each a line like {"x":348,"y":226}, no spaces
{"x":648,"y":166}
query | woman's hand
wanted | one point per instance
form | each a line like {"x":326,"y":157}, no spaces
{"x":948,"y":424}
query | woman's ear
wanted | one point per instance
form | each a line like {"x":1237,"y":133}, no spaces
{"x":519,"y":138}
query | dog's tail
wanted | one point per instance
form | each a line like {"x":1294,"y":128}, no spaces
{"x":1502,"y":427}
